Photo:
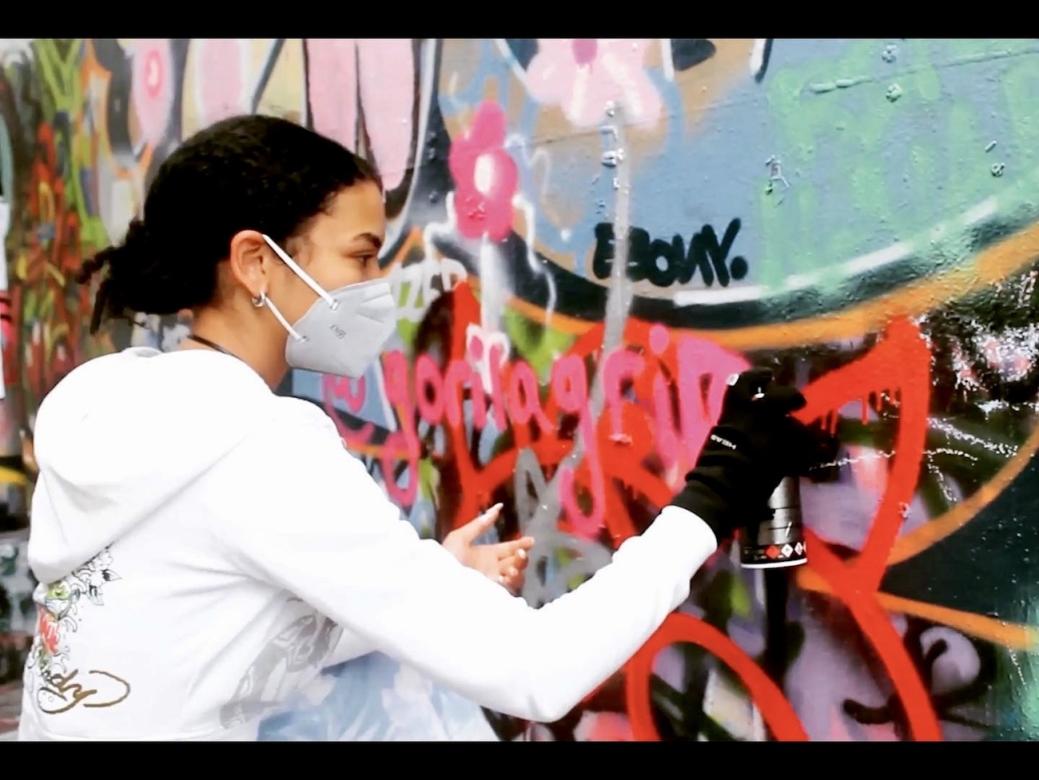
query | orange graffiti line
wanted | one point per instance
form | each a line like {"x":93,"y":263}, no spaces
{"x":563,"y":323}
{"x":370,"y":450}
{"x":990,"y":265}
{"x":1016,"y":636}
{"x":678,"y":628}
{"x":944,"y":525}
{"x":411,"y":241}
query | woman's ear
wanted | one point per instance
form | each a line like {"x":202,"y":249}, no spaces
{"x":249,"y":260}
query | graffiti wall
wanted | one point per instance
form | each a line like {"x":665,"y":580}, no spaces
{"x":586,"y":237}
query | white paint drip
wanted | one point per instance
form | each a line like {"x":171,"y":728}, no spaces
{"x":527,"y":208}
{"x":618,"y":303}
{"x":540,"y":155}
{"x":757,"y":56}
{"x":493,"y":292}
{"x":667,"y":59}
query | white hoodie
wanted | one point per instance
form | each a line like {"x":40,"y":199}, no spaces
{"x":206,"y":547}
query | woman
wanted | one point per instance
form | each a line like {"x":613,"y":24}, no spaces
{"x":205,"y":546}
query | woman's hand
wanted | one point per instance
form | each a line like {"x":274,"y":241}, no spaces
{"x":503,"y":562}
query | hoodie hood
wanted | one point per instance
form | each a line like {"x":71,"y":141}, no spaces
{"x":122,"y":434}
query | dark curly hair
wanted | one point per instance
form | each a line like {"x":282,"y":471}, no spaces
{"x":247,"y":172}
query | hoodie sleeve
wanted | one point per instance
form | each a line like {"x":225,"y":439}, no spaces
{"x":331,"y":536}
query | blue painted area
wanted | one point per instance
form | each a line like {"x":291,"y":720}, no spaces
{"x":375,"y":697}
{"x":307,"y":384}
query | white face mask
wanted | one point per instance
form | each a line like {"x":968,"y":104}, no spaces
{"x":344,"y":331}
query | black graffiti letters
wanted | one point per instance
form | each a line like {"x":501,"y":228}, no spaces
{"x":665,"y":262}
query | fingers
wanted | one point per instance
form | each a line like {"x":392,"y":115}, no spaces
{"x":519,"y":546}
{"x":514,"y":586}
{"x":751,"y":381}
{"x":809,"y":446}
{"x":758,"y":386}
{"x":491,"y":515}
{"x":514,"y":564}
{"x":755,"y":376}
{"x":512,"y":571}
{"x":783,"y":399}
{"x":511,"y":568}
{"x":475,"y":528}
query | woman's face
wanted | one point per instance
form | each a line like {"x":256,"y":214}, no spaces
{"x":340,"y":246}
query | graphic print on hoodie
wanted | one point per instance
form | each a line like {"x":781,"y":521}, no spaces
{"x":61,"y":605}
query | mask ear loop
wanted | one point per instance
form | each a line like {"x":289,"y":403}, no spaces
{"x":261,"y":300}
{"x":296,"y":269}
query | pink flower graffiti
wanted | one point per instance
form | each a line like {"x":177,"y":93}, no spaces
{"x":222,"y":84}
{"x":365,"y":81}
{"x":583,"y":75}
{"x":485,"y":176}
{"x":152,"y":87}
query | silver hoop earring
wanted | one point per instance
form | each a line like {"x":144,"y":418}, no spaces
{"x":259,"y":300}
